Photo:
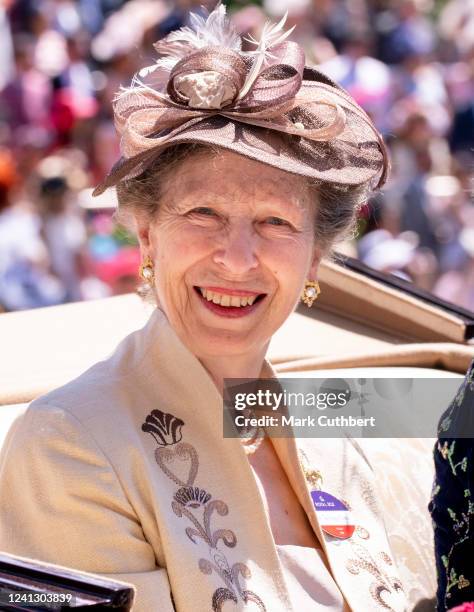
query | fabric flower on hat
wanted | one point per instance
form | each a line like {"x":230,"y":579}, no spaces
{"x":205,"y":89}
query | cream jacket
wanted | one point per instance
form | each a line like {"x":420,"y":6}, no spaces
{"x":125,"y":472}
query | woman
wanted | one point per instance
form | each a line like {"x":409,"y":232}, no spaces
{"x":240,"y":171}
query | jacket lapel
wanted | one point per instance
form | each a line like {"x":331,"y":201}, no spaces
{"x":362,"y":565}
{"x":217,"y":540}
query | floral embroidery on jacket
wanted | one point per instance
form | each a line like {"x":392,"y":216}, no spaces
{"x":188,"y":498}
{"x":384,"y":586}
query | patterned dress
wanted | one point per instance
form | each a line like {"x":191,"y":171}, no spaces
{"x":452,"y":502}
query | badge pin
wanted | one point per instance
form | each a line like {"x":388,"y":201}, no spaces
{"x":333,"y":515}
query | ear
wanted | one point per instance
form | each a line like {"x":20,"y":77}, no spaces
{"x":316,"y":260}
{"x":143,"y":233}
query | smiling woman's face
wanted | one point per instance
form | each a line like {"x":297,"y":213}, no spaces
{"x":232,"y":244}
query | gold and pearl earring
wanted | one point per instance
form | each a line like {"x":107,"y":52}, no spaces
{"x":147,"y":272}
{"x":310,"y":292}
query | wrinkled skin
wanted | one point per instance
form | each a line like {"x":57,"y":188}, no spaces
{"x":228,"y":221}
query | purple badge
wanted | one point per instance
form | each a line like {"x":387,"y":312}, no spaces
{"x":333,"y":515}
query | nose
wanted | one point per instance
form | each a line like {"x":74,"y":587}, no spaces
{"x":238,"y":250}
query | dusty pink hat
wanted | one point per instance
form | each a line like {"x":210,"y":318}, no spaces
{"x":264,"y":104}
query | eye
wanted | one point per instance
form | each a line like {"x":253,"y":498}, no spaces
{"x":277,"y":221}
{"x":204,"y":211}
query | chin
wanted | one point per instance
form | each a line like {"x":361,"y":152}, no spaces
{"x":226,"y":344}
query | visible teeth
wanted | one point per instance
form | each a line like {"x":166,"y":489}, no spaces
{"x":227,"y":300}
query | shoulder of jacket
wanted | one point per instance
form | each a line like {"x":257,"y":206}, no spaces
{"x":80,"y":391}
{"x":102,"y":383}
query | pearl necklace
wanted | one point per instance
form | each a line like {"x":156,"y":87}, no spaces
{"x":251,"y":439}
{"x":250,"y":445}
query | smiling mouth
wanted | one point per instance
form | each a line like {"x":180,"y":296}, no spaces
{"x":229,"y":302}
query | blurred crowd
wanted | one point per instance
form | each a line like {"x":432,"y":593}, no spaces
{"x":409,"y":63}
